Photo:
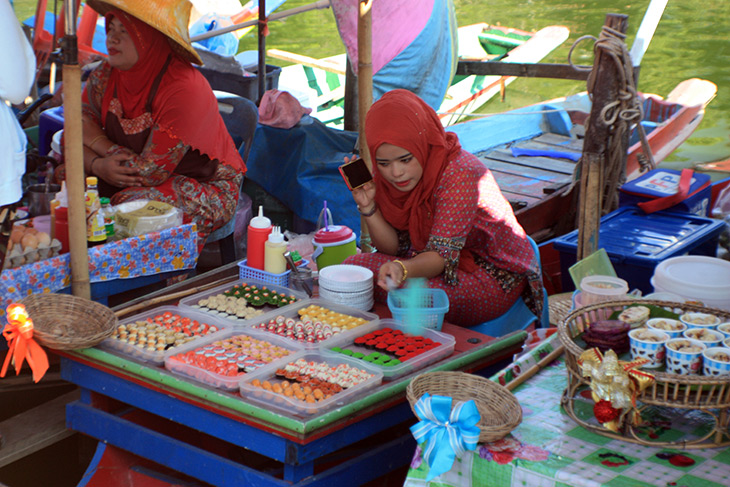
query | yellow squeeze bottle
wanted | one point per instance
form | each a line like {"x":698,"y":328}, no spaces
{"x":274,"y":249}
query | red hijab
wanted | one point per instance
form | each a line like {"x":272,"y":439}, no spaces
{"x":184,"y":105}
{"x":402,"y":119}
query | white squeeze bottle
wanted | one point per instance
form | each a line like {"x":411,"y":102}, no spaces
{"x":274,"y":261}
{"x":258,"y":230}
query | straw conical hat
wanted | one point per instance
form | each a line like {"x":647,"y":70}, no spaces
{"x":171,"y":17}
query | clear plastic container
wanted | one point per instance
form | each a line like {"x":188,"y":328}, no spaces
{"x":192,"y":301}
{"x":157,"y":357}
{"x":292,"y":311}
{"x":289,"y":405}
{"x":220,"y":380}
{"x":597,"y":289}
{"x":346,"y":341}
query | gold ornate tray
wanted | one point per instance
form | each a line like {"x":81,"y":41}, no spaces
{"x":711,"y":395}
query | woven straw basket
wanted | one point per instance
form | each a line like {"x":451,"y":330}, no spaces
{"x":498,"y":407}
{"x":66,"y":322}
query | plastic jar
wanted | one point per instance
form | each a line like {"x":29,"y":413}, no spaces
{"x":695,"y":278}
{"x":597,"y":289}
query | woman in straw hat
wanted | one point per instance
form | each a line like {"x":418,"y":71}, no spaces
{"x":152,"y":129}
{"x":434,"y":211}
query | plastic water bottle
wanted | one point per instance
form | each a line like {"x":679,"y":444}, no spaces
{"x":258,"y":232}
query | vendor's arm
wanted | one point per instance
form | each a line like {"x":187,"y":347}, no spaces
{"x":426,"y":264}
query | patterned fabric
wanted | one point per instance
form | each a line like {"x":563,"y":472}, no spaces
{"x":473,"y":219}
{"x":548,"y":449}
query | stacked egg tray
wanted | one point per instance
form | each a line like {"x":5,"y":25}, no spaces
{"x":392,"y":347}
{"x":709,"y":394}
{"x":243,"y":300}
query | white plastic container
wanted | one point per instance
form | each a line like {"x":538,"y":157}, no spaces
{"x":597,"y":289}
{"x":695,"y":278}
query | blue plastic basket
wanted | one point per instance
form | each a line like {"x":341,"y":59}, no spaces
{"x":246,"y":272}
{"x":429,"y":313}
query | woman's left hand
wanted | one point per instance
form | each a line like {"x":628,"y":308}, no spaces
{"x":113,"y":170}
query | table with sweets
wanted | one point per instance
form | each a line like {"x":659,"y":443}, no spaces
{"x":219,"y":437}
{"x":548,"y":449}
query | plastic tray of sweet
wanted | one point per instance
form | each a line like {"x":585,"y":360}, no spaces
{"x":243,"y":300}
{"x":392,"y":347}
{"x":309,"y":383}
{"x":312,"y":321}
{"x":148,"y":336}
{"x":222,"y":359}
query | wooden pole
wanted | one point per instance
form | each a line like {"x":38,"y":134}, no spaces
{"x":74,"y":157}
{"x":351,"y":114}
{"x":262,"y":50}
{"x":595,"y":147}
{"x":365,"y":92}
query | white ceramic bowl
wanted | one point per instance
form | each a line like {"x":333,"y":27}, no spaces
{"x":642,"y":346}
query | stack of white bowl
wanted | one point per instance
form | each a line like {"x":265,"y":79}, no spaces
{"x":350,"y":285}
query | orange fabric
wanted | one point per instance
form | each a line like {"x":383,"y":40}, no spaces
{"x":21,"y":345}
{"x":402,"y":119}
{"x":184,"y":105}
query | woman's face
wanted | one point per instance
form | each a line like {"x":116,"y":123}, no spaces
{"x":398,"y":166}
{"x":122,"y":51}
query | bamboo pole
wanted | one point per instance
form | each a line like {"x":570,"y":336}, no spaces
{"x":74,"y":157}
{"x":595,"y":148}
{"x":365,"y":93}
{"x":262,"y":49}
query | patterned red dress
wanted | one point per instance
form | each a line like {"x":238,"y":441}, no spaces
{"x":472,"y":216}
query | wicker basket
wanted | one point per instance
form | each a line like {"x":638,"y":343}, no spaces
{"x":500,"y":412}
{"x":696,"y":392}
{"x":66,"y":322}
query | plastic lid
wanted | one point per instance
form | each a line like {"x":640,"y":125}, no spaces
{"x":260,"y":221}
{"x":105,"y":201}
{"x":91,"y":181}
{"x":694,"y":276}
{"x":62,"y":196}
{"x":333,"y":234}
{"x":276,"y":236}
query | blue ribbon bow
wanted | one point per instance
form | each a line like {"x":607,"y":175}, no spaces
{"x":448,"y":433}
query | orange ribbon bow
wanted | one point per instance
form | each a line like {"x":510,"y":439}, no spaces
{"x":21,"y":345}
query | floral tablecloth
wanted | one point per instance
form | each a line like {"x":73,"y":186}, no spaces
{"x":550,"y":450}
{"x":153,"y":253}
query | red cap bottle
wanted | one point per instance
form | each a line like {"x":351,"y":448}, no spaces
{"x":258,"y":232}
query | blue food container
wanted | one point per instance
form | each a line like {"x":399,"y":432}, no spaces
{"x":49,"y":122}
{"x":664,"y":182}
{"x":636,"y":243}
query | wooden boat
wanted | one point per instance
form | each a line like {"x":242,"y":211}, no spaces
{"x":319,"y":83}
{"x":540,"y":186}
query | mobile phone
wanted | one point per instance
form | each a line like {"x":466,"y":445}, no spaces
{"x":355,"y":173}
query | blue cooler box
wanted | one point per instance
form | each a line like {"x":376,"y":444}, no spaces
{"x":636,"y":243}
{"x":664,"y":182}
{"x":49,"y":122}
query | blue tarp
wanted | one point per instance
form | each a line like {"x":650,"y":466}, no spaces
{"x":299,"y":166}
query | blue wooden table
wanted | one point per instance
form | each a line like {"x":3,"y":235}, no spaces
{"x":218,"y":438}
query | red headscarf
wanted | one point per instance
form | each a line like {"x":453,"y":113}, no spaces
{"x":184,"y":105}
{"x":402,"y":119}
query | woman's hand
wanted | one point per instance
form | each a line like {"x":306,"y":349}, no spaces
{"x":391,"y":275}
{"x":113,"y":170}
{"x":364,"y":196}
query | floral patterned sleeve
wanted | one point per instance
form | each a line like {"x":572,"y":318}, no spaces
{"x":456,"y":203}
{"x":93,"y":93}
{"x":159,"y":158}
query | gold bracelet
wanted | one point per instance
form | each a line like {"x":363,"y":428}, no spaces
{"x":95,"y":140}
{"x":402,"y":266}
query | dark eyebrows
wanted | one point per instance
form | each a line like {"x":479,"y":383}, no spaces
{"x":407,"y":154}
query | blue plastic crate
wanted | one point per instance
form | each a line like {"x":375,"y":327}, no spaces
{"x":49,"y":122}
{"x":636,"y":243}
{"x":664,"y":182}
{"x":429,"y":313}
{"x":246,"y":272}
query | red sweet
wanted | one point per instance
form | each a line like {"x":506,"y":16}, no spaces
{"x":378,"y":332}
{"x":393,"y":348}
{"x":371,"y":343}
{"x":410,"y":348}
{"x":401,"y":353}
{"x":397,"y":332}
{"x":381,"y":346}
{"x":360,"y":340}
{"x":368,"y":336}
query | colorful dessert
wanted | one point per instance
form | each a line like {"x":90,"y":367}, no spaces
{"x":244,"y":301}
{"x":389,"y":347}
{"x":161,"y":332}
{"x":315,"y":324}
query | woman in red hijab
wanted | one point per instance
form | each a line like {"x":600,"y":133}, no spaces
{"x":435,"y":211}
{"x":152,"y":129}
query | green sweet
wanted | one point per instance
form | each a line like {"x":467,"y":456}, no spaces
{"x":336,"y":349}
{"x":358,"y":355}
{"x":347,"y":352}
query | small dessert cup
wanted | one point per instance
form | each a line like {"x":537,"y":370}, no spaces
{"x":716,"y":361}
{"x":711,"y":338}
{"x":673,"y":328}
{"x":726,"y":342}
{"x":724,"y":328}
{"x":700,"y":320}
{"x":684,"y":356}
{"x":648,"y":344}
